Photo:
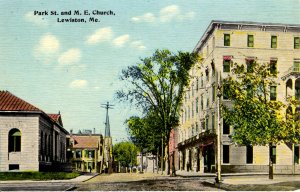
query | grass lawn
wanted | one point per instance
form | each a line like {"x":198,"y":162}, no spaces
{"x":4,"y":176}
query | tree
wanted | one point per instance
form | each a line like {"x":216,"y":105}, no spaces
{"x":126,"y":153}
{"x":257,"y":116}
{"x":156,"y":84}
{"x":144,"y":132}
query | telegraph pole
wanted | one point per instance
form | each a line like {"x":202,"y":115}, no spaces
{"x":107,"y":137}
{"x":218,"y":176}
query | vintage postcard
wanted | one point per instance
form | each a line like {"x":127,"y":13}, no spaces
{"x":198,"y":95}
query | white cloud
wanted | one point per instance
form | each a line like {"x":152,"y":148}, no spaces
{"x":100,"y":35}
{"x":138,"y":45}
{"x":47,"y":48}
{"x":169,"y":12}
{"x":166,"y":14}
{"x":70,"y":57}
{"x":147,"y":17}
{"x":121,"y":40}
{"x":188,"y":16}
{"x":79,"y":83}
{"x":37,"y":20}
{"x":48,"y":44}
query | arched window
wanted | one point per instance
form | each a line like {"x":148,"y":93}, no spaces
{"x":14,"y":140}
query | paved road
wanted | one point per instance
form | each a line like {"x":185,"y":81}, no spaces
{"x":157,"y":182}
{"x":40,"y":186}
{"x":161,"y":184}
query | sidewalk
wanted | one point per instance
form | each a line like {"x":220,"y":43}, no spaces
{"x":243,"y":178}
{"x":259,"y":180}
{"x":81,"y":178}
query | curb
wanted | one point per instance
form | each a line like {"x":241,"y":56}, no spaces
{"x":91,"y":177}
{"x":71,"y":188}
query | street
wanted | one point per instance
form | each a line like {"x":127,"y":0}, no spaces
{"x":158,"y":182}
{"x":144,"y":182}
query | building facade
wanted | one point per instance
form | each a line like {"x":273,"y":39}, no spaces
{"x":223,"y":44}
{"x":87,"y":152}
{"x":30,"y":139}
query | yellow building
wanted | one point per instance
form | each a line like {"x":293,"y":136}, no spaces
{"x":222,"y":44}
{"x":87,"y":152}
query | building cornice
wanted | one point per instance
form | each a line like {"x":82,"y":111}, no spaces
{"x":240,"y":25}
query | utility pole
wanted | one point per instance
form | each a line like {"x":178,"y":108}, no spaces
{"x":218,"y":176}
{"x":107,"y":138}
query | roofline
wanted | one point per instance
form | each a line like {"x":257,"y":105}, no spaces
{"x":39,"y":113}
{"x":213,"y":23}
{"x":78,"y":134}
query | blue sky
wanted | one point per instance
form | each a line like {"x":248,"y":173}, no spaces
{"x":74,"y":67}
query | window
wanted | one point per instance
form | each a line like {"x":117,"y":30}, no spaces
{"x":273,"y":41}
{"x":296,"y":42}
{"x":201,"y":102}
{"x":207,"y":74}
{"x":91,"y":154}
{"x":206,"y":123}
{"x":226,"y":39}
{"x":14,"y":139}
{"x":225,"y":153}
{"x":193,"y":131}
{"x":225,"y":91}
{"x":226,"y":128}
{"x":273,"y":67}
{"x":197,"y":85}
{"x":201,"y":79}
{"x":78,"y":154}
{"x":249,"y":154}
{"x":213,"y":93}
{"x":193,"y":90}
{"x":226,"y":66}
{"x":296,"y":154}
{"x":203,"y":127}
{"x":273,"y":93}
{"x":213,"y":122}
{"x":250,"y":41}
{"x":13,"y":167}
{"x":213,"y":68}
{"x":249,"y":63}
{"x":296,"y":65}
{"x":273,"y":154}
{"x":193,"y":109}
{"x":197,"y":103}
{"x":207,"y":103}
{"x":197,"y":128}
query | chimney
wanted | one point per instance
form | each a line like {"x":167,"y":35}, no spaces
{"x":94,"y":131}
{"x":71,"y":132}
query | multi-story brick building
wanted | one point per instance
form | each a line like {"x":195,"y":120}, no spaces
{"x":223,"y":44}
{"x":30,"y":139}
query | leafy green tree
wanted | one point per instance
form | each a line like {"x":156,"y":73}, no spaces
{"x":156,"y":84}
{"x":257,"y":116}
{"x":144,"y":132}
{"x":126,"y":153}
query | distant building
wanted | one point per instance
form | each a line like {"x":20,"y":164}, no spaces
{"x":30,"y":139}
{"x":87,"y":152}
{"x":222,"y":44}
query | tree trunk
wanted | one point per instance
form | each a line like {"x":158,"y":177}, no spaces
{"x":162,"y":156}
{"x":271,"y":170}
{"x":168,"y":159}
